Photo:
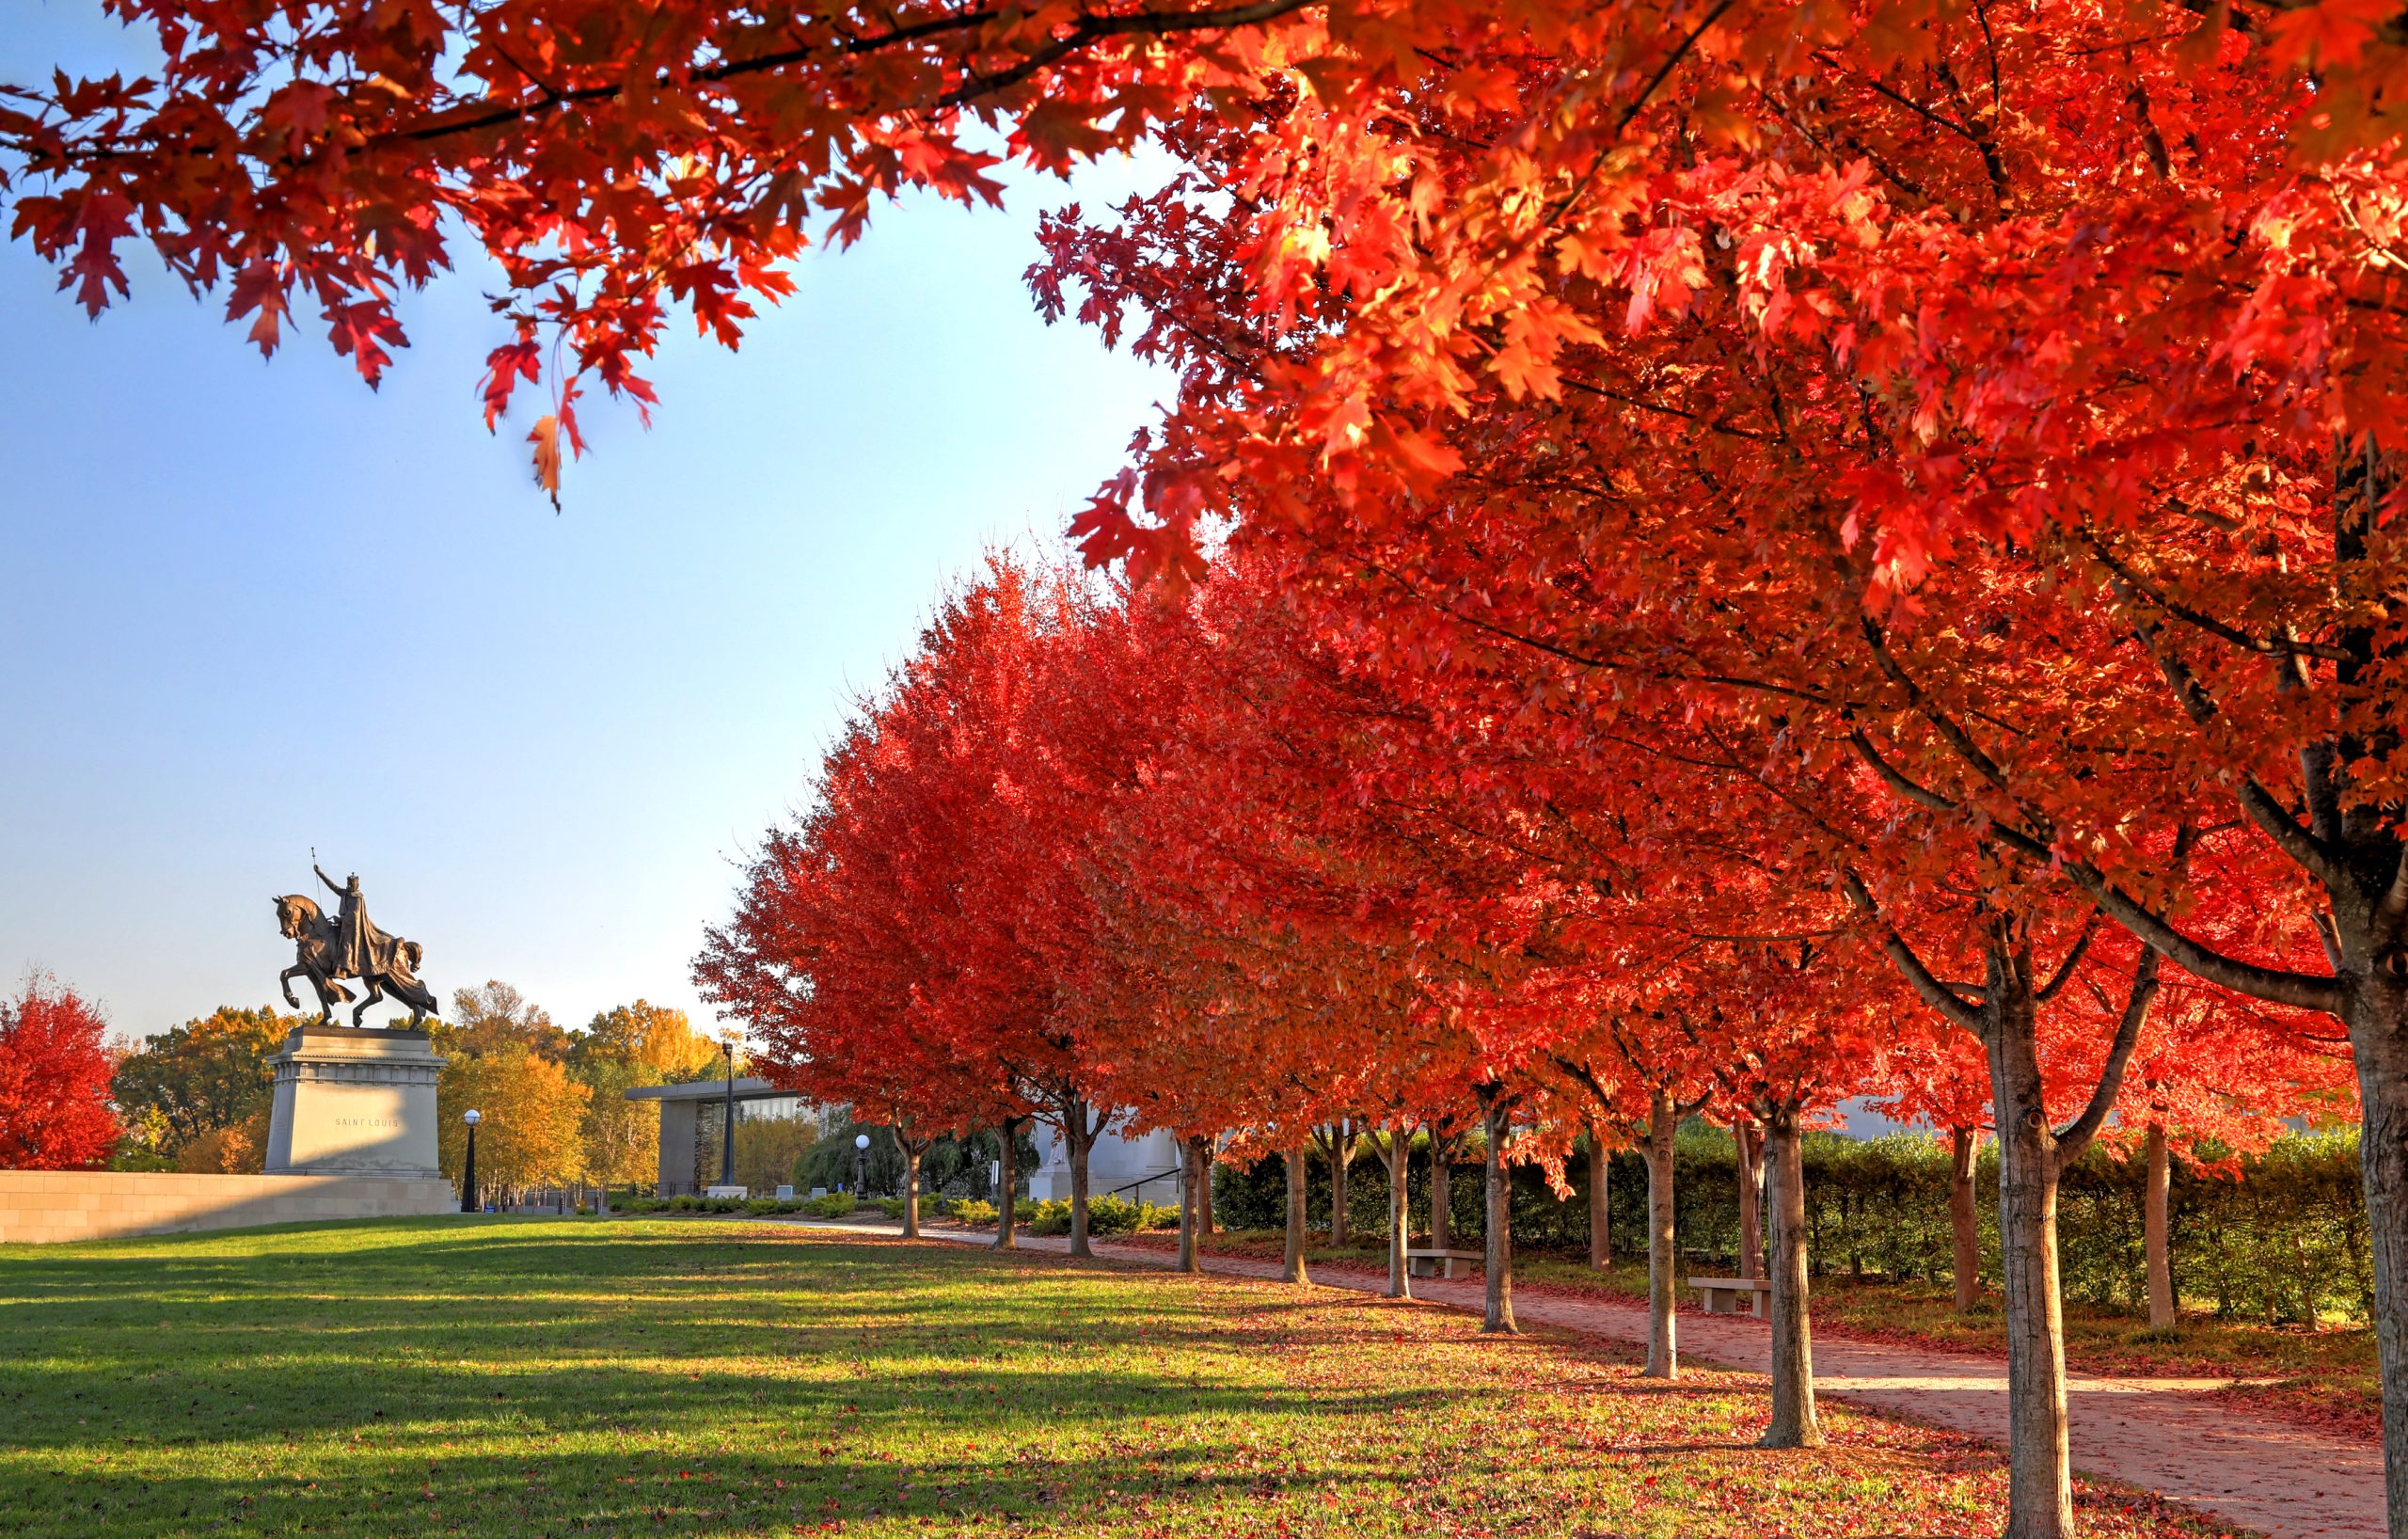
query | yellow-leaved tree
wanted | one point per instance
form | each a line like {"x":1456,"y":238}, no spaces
{"x":622,"y":1049}
{"x":533,"y":1117}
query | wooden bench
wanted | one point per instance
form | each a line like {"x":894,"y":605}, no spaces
{"x":1436,"y":1264}
{"x":1724,"y":1296}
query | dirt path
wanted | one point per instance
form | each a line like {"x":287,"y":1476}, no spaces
{"x":2162,"y":1434}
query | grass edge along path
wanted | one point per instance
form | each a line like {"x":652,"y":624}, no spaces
{"x":2324,"y":1382}
{"x":484,"y":1376}
{"x":2177,"y":1439}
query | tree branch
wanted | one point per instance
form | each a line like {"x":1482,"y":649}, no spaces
{"x":2273,"y":985}
{"x":2135,"y":589}
{"x":2077,"y":1136}
{"x":1087,"y":31}
{"x":2074,"y":958}
{"x":1935,"y":993}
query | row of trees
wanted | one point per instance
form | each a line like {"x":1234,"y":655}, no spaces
{"x":1099,"y":856}
{"x":1771,"y":547}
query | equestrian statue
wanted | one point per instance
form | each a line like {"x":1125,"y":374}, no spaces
{"x":348,"y":946}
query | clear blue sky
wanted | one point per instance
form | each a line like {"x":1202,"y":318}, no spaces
{"x":250,"y":608}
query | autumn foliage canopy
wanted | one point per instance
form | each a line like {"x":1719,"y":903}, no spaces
{"x":1752,"y":552}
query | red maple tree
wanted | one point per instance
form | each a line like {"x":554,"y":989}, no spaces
{"x":54,"y":1073}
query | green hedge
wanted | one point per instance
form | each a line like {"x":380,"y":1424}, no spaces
{"x":1105,"y":1215}
{"x":2286,"y":1243}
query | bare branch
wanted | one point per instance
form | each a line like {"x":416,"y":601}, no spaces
{"x":2133,"y":589}
{"x":2073,"y":960}
{"x":1935,"y":993}
{"x":2077,"y":1136}
{"x":1087,"y":31}
{"x":2277,"y":987}
{"x":2313,"y":854}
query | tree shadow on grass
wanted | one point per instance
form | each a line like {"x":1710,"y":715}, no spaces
{"x":748,"y":1490}
{"x":576,"y":1331}
{"x":533,"y":1377}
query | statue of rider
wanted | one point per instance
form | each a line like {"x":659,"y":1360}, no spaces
{"x":354,"y":939}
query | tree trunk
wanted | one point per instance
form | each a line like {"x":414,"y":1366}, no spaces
{"x":1497,"y":1255}
{"x":1203,"y":1145}
{"x":1341,"y":1151}
{"x":1752,"y":1234}
{"x":2377,"y":1016}
{"x":1293,"y":1267}
{"x":1441,"y":1167}
{"x":1663,"y":1354}
{"x":911,"y":1189}
{"x":2155,"y":1199}
{"x":2369,"y":939}
{"x":1190,"y":1204}
{"x":1794,"y":1423}
{"x":1399,"y":1161}
{"x":1081,"y":1136}
{"x":1006,"y":1183}
{"x":1964,"y":1227}
{"x":1601,"y":1223}
{"x":2040,"y":1490}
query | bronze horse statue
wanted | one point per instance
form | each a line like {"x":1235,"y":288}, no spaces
{"x":390,"y":967}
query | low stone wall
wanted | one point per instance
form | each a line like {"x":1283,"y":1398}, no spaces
{"x":37,"y":1205}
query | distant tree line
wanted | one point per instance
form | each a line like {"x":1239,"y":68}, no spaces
{"x":196,"y":1097}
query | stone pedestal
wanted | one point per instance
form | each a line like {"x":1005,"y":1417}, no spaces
{"x":354,"y":1102}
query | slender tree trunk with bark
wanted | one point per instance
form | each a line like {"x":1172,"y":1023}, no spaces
{"x":912,"y":1149}
{"x":1963,"y":1224}
{"x":1794,"y":1422}
{"x":1752,"y":1234}
{"x":1293,"y":1267}
{"x":2039,"y":1491}
{"x":1663,"y":1352}
{"x":1080,"y":1134}
{"x":2378,"y":1022}
{"x":1498,"y":1252}
{"x":1202,"y":1144}
{"x":1189,"y":1204}
{"x":1601,"y":1226}
{"x":2156,"y":1197}
{"x":1397,"y":1151}
{"x":1441,"y":1200}
{"x":1007,"y":1183}
{"x":1341,"y":1155}
{"x":2033,"y":1155}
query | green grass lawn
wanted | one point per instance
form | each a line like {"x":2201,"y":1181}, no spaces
{"x":524,"y":1377}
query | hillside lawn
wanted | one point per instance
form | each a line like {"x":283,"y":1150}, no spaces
{"x":529,"y":1377}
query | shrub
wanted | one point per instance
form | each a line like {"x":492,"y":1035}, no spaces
{"x":1118,"y":1216}
{"x":1110,"y":1216}
{"x":761,"y":1205}
{"x":1051,"y":1216}
{"x":835,"y":1205}
{"x":970,"y":1210}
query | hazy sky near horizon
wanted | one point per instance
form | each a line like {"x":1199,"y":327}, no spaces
{"x":252,"y":608}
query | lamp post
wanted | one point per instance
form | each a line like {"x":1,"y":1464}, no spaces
{"x":468,"y":1172}
{"x":727,"y":1123}
{"x":861,"y":1164}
